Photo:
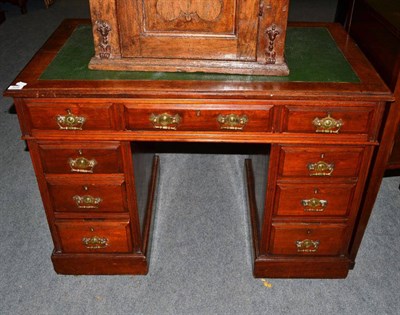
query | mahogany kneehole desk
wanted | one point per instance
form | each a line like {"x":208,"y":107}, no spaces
{"x":319,"y":128}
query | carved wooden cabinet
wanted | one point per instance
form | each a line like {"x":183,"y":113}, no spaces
{"x":223,"y":36}
{"x":310,"y":140}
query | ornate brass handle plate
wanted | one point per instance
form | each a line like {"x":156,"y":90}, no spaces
{"x":95,"y":242}
{"x":232,"y":121}
{"x":327,"y":124}
{"x":314,"y":205}
{"x":87,"y":201}
{"x":82,"y":165}
{"x":70,"y":121}
{"x":307,"y":246}
{"x":321,"y":168}
{"x":165,"y":121}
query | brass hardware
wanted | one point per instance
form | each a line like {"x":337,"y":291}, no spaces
{"x":307,"y":246}
{"x":320,"y":168}
{"x":95,"y":242}
{"x":80,"y":152}
{"x":82,"y":165}
{"x":232,"y":121}
{"x":85,"y":188}
{"x":165,"y":121}
{"x":87,"y":201}
{"x":316,"y":191}
{"x":322,"y":155}
{"x":70,"y":121}
{"x":314,"y":205}
{"x":327,"y":124}
{"x":91,"y":229}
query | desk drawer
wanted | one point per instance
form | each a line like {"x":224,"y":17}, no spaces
{"x":328,"y":119}
{"x":70,"y":115}
{"x":312,"y":200}
{"x":308,"y":239}
{"x":81,"y":157}
{"x":88,"y":197}
{"x":79,"y":236}
{"x":199,"y":117}
{"x":320,"y":161}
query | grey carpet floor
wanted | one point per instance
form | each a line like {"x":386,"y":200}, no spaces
{"x":199,"y":224}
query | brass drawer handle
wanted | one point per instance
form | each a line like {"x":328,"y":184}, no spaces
{"x":327,"y":124}
{"x":70,"y":121}
{"x":82,"y":165}
{"x":307,"y":246}
{"x":321,"y":168}
{"x":232,"y":121}
{"x":95,"y":242}
{"x":165,"y":121}
{"x":87,"y":201}
{"x":314,"y":205}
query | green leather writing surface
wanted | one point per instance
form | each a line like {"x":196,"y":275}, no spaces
{"x":311,"y":54}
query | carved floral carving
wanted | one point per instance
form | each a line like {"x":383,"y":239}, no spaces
{"x":270,"y":52}
{"x":105,"y":48}
{"x":207,"y":10}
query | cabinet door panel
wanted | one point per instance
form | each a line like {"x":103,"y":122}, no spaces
{"x":195,"y":29}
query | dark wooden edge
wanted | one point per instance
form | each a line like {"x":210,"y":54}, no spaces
{"x":92,"y":264}
{"x":370,"y":81}
{"x":379,"y":163}
{"x":148,"y":219}
{"x":378,"y":16}
{"x":252,"y":208}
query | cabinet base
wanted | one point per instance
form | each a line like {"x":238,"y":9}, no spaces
{"x":106,"y":264}
{"x":176,"y":65}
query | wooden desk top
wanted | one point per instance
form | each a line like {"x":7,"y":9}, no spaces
{"x":322,"y":58}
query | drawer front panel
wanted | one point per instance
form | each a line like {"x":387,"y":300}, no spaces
{"x":88,"y":198}
{"x":320,"y":161}
{"x":307,"y":239}
{"x":94,"y":236}
{"x":82,"y":157}
{"x":313,"y":199}
{"x":331,"y":120}
{"x":199,"y":118}
{"x":70,"y":116}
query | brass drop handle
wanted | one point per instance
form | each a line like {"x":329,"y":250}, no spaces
{"x":95,"y":242}
{"x":165,"y":121}
{"x":320,"y":168}
{"x":82,"y":165}
{"x":314,"y":205}
{"x":232,"y":121}
{"x":70,"y":121}
{"x":307,"y":246}
{"x":327,"y":124}
{"x":87,"y":201}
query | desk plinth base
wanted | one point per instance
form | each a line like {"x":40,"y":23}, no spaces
{"x":101,"y":264}
{"x":328,"y":268}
